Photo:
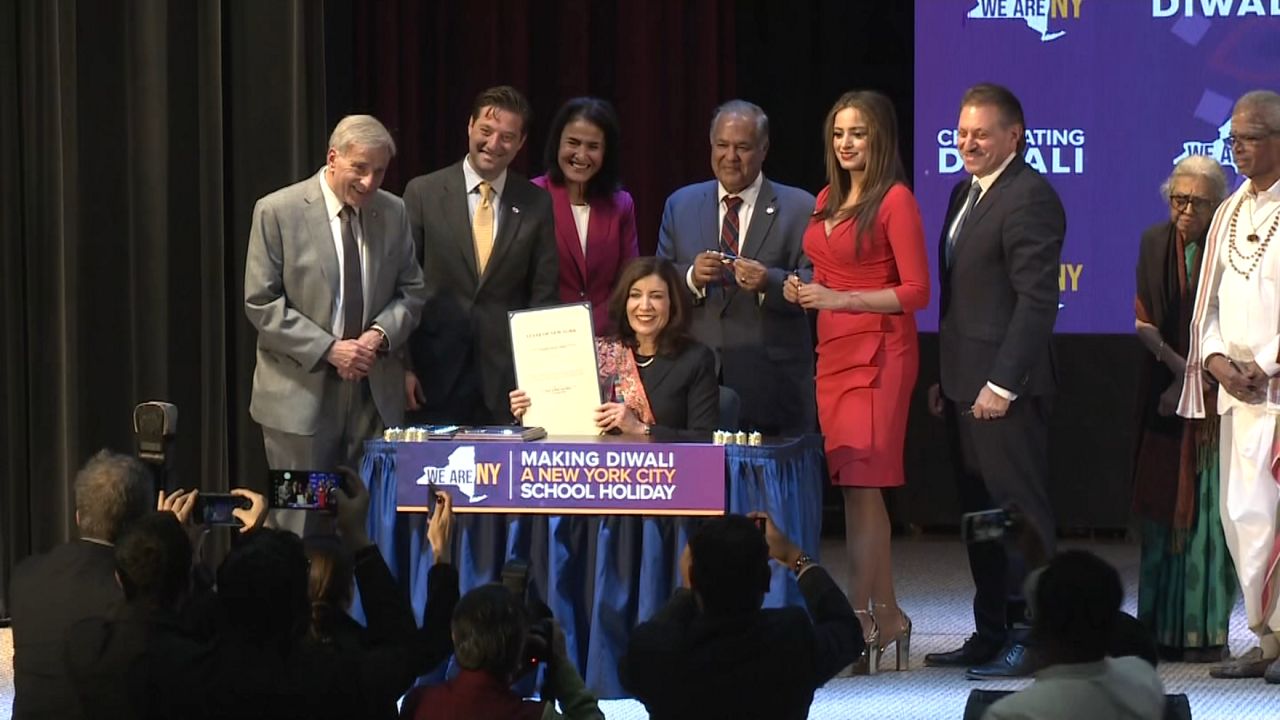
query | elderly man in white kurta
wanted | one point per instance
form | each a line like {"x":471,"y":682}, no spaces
{"x":1235,"y":338}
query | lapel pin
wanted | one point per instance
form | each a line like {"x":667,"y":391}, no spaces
{"x":515,"y":209}
{"x":768,"y":210}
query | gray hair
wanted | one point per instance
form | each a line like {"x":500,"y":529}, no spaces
{"x":747,"y":110}
{"x":363,"y":130}
{"x":1263,"y":102}
{"x":112,"y":490}
{"x":1201,"y":166}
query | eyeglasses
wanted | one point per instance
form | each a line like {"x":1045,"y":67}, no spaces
{"x":1182,"y":202}
{"x":1249,"y":139}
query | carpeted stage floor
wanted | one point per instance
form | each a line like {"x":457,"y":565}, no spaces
{"x":934,"y":587}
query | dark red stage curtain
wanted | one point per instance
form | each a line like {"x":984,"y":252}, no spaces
{"x":665,"y":64}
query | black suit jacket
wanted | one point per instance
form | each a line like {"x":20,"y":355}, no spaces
{"x":763,"y":664}
{"x":49,"y":593}
{"x":359,"y":676}
{"x":139,"y":663}
{"x":682,"y":390}
{"x":999,"y":297}
{"x":464,"y":322}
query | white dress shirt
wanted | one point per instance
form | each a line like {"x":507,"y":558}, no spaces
{"x":581,"y":217}
{"x":985,"y":182}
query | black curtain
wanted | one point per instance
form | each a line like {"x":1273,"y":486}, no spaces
{"x":794,"y":59}
{"x":136,"y":135}
{"x":664,"y":64}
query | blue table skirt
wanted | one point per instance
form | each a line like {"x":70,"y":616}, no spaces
{"x":600,"y":575}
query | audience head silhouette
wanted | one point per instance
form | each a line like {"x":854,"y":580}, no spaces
{"x":489,"y":628}
{"x":730,"y":565}
{"x":1075,"y":606}
{"x":112,"y":490}
{"x":331,"y":584}
{"x":153,"y":561}
{"x":262,"y":586}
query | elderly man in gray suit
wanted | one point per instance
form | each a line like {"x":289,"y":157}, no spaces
{"x":735,"y":239}
{"x":333,"y":289}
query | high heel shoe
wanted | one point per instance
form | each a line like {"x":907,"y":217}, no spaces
{"x":902,"y":638}
{"x":870,"y":655}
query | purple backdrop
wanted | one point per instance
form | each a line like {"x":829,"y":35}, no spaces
{"x":1114,"y":93}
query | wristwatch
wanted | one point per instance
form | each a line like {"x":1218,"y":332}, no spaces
{"x":802,"y":561}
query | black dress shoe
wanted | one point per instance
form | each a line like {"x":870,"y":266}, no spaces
{"x":1014,"y":661}
{"x":975,"y":651}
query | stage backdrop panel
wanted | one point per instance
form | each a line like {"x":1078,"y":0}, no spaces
{"x":1114,"y":94}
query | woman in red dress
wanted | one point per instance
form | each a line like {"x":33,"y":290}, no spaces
{"x":870,"y":274}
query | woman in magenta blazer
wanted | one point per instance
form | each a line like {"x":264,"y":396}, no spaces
{"x":595,"y":218}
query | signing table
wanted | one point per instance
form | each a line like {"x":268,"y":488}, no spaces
{"x":599,"y":574}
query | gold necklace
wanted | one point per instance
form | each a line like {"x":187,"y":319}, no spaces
{"x":1253,"y":258}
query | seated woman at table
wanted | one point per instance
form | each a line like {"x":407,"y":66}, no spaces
{"x":658,"y":378}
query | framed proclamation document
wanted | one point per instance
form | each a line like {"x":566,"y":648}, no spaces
{"x":554,"y":349}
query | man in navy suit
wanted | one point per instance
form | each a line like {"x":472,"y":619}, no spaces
{"x":999,"y":256}
{"x":735,"y":240}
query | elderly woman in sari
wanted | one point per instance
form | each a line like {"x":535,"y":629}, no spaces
{"x":1186,"y":585}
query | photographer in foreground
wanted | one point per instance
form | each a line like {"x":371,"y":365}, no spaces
{"x":492,"y":644}
{"x":1075,"y":605}
{"x":714,"y":652}
{"x":340,"y":565}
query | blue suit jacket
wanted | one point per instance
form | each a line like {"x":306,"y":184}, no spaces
{"x":754,"y":338}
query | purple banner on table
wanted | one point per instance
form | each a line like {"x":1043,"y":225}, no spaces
{"x":561,"y":478}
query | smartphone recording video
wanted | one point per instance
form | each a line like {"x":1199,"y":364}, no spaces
{"x":305,"y":490}
{"x":215,"y":508}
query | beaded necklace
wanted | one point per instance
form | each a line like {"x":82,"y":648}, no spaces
{"x":1252,"y":259}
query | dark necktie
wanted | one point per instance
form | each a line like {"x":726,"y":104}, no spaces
{"x":352,"y":285}
{"x":729,"y":228}
{"x":974,"y":191}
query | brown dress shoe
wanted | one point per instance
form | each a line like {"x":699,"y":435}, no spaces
{"x":1249,"y":665}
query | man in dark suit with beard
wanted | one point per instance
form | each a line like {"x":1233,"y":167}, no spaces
{"x":486,"y":240}
{"x":999,"y":257}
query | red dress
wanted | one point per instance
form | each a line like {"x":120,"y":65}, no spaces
{"x":867,"y":362}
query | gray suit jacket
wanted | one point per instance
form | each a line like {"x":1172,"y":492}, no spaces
{"x":290,"y":281}
{"x":764,"y":349}
{"x":464,"y":330}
